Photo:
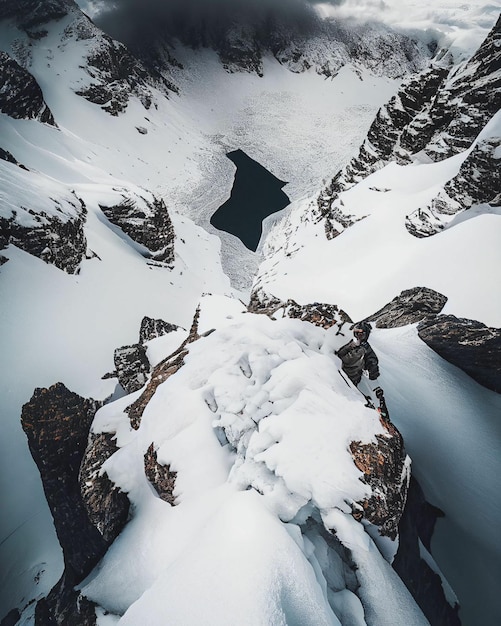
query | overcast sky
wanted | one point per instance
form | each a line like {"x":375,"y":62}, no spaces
{"x":463,"y":24}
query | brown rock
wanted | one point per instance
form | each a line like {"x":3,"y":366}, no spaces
{"x":386,"y":471}
{"x":161,"y":477}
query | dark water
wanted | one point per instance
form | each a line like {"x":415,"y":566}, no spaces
{"x":256,"y":194}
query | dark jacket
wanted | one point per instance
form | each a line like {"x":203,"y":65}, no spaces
{"x":357,"y":357}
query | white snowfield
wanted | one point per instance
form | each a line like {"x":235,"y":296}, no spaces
{"x":258,"y":405}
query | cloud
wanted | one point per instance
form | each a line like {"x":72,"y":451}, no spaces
{"x":462,"y":26}
{"x":134,"y":21}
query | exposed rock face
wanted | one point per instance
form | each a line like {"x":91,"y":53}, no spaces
{"x":384,"y":133}
{"x":153,"y":328}
{"x":20,"y":94}
{"x":64,"y":605}
{"x":410,"y":307}
{"x":386,"y":469}
{"x":33,"y":13}
{"x":132,"y":366}
{"x":116,"y":75}
{"x":437,"y":113}
{"x":161,"y":477}
{"x":469,"y":98}
{"x":57,"y":241}
{"x":56,"y":422}
{"x":107,"y":506}
{"x":416,"y":526}
{"x":467,"y":344}
{"x":474,"y":190}
{"x":318,"y":313}
{"x":161,"y":373}
{"x":5,"y":155}
{"x":147,"y":223}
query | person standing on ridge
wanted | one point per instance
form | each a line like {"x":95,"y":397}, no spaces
{"x":358,"y":356}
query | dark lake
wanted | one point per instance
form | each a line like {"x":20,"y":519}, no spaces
{"x":256,"y":194}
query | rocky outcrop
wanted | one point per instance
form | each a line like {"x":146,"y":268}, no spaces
{"x":476,"y":189}
{"x":415,"y":533}
{"x":106,"y":506}
{"x":468,"y":99}
{"x":384,"y":133}
{"x":160,"y":374}
{"x":410,"y":307}
{"x":132,"y":367}
{"x":161,"y":477}
{"x":57,"y":422}
{"x":470,"y":345}
{"x":146,"y":222}
{"x":437,"y":114}
{"x":116,"y":74}
{"x":153,"y":328}
{"x":31,"y":14}
{"x":318,"y":313}
{"x":20,"y":95}
{"x":386,"y":469}
{"x":60,"y":242}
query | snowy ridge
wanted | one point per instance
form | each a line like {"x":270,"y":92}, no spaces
{"x":435,"y":115}
{"x":246,"y":410}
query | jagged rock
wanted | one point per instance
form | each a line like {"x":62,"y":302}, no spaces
{"x":161,"y":477}
{"x":470,"y":345}
{"x":56,"y":422}
{"x":317,"y":313}
{"x":153,"y":328}
{"x":386,"y":469}
{"x":147,"y":223}
{"x":20,"y":94}
{"x":469,"y":98}
{"x":382,"y":138}
{"x":161,"y":373}
{"x":440,"y":112}
{"x":477,"y":183}
{"x":65,"y":605}
{"x":132,"y":366}
{"x":410,"y":307}
{"x":60,"y":242}
{"x":417,"y":525}
{"x":33,"y":13}
{"x":5,"y":155}
{"x":107,"y":506}
{"x":261,"y":302}
{"x":117,"y":74}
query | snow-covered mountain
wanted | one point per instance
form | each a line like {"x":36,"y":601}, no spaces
{"x":200,"y":455}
